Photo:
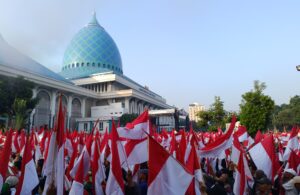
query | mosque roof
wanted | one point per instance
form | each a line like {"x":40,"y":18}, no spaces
{"x":92,"y":50}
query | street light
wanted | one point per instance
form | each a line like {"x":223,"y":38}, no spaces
{"x":298,"y":67}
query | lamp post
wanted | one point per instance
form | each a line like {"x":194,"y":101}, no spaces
{"x":298,"y":67}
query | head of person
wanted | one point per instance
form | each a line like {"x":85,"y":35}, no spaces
{"x":264,"y":185}
{"x":259,"y":174}
{"x":288,"y":174}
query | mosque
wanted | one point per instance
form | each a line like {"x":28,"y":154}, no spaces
{"x":91,"y":82}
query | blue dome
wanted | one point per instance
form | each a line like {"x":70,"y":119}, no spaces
{"x":91,"y":51}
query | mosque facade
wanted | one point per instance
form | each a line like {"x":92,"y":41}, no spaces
{"x":91,"y":82}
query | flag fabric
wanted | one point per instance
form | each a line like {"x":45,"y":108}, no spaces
{"x":5,"y":156}
{"x":115,"y":183}
{"x":217,"y":148}
{"x":97,"y":170}
{"x":136,"y":151}
{"x":292,"y":144}
{"x":54,"y":162}
{"x":166,"y":175}
{"x":193,"y":166}
{"x":243,"y":176}
{"x":29,"y":178}
{"x":138,"y":129}
{"x":86,"y":156}
{"x":77,"y":185}
{"x":264,"y":157}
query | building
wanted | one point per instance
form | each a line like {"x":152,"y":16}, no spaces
{"x":91,"y":82}
{"x":193,"y":110}
{"x":166,"y":119}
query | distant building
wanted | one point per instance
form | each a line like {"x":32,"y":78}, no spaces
{"x":193,"y":110}
{"x":165,"y":118}
{"x":91,"y":81}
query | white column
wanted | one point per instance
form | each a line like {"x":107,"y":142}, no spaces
{"x":127,"y":105}
{"x":83,"y":107}
{"x":69,"y":110}
{"x":52,"y":107}
{"x":34,"y":94}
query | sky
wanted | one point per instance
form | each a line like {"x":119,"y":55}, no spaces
{"x":184,"y":50}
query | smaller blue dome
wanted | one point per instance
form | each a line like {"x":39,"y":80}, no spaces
{"x":91,"y":51}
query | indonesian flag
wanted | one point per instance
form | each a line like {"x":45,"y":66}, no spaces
{"x":236,"y":150}
{"x":166,"y":175}
{"x":294,"y":162}
{"x":54,"y":163}
{"x":86,"y":156}
{"x":77,"y":185}
{"x":29,"y":178}
{"x":217,"y":148}
{"x":243,"y":175}
{"x":136,"y":129}
{"x":115,"y":183}
{"x":97,"y":170}
{"x":193,"y":166}
{"x":5,"y":156}
{"x":264,"y":157}
{"x":136,"y":151}
{"x":292,"y":145}
{"x":242,"y":133}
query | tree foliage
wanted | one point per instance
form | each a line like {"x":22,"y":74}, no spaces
{"x":256,"y":109}
{"x":12,"y":90}
{"x":214,"y":117}
{"x":287,"y":115}
{"x":127,"y":118}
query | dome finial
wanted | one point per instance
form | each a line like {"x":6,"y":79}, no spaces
{"x":93,"y":21}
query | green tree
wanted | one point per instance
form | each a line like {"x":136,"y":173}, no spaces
{"x":214,"y":117}
{"x":127,"y":118}
{"x":11,"y":89}
{"x":256,"y":109}
{"x":21,"y":113}
{"x":287,"y":115}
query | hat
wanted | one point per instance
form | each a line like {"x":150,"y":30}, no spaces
{"x":291,"y":171}
{"x":264,"y":180}
{"x":296,"y":179}
{"x":12,"y":181}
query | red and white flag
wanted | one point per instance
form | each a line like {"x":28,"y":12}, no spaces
{"x":218,"y":147}
{"x":115,"y":183}
{"x":54,"y":167}
{"x":166,"y":175}
{"x":86,"y":156}
{"x":5,"y":156}
{"x":136,"y":151}
{"x":193,"y":166}
{"x":264,"y":157}
{"x":292,"y":144}
{"x":97,"y":170}
{"x":77,"y":185}
{"x":243,"y":177}
{"x":136,"y":129}
{"x":29,"y":178}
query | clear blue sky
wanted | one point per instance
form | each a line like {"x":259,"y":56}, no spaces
{"x":185,"y":50}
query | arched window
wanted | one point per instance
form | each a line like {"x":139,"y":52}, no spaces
{"x":88,"y":64}
{"x":99,"y":65}
{"x":93,"y":64}
{"x":82,"y":64}
{"x":77,"y":64}
{"x":104,"y":66}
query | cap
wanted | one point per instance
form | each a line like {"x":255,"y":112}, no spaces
{"x":12,"y":181}
{"x":264,"y":180}
{"x":291,"y":171}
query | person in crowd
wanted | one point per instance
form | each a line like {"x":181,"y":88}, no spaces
{"x":288,"y":183}
{"x":296,"y":182}
{"x":143,"y":181}
{"x":9,"y":187}
{"x":131,"y":187}
{"x":216,"y":185}
{"x":264,"y":186}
